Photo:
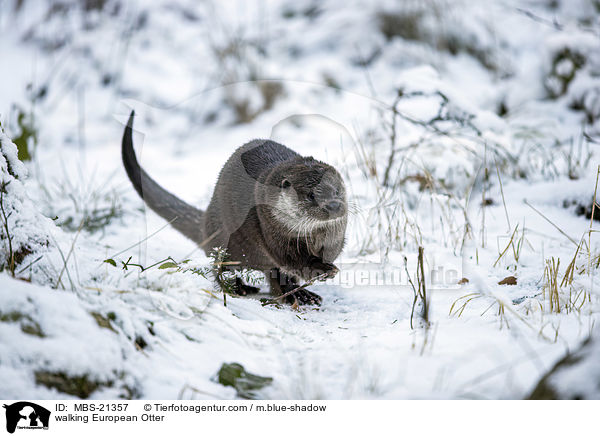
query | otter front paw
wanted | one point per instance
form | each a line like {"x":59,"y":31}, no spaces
{"x":243,"y":289}
{"x":304,"y":297}
{"x":318,"y":268}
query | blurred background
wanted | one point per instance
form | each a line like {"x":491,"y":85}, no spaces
{"x":468,"y":129}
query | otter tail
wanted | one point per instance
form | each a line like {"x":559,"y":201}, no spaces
{"x":183,"y":217}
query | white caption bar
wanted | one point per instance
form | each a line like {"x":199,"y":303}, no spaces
{"x":149,"y":417}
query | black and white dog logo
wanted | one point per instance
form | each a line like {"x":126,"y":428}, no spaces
{"x":26,"y":415}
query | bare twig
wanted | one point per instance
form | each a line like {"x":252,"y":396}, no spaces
{"x":144,"y":268}
{"x":552,"y":23}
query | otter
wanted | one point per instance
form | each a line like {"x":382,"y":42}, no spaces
{"x":272,"y":209}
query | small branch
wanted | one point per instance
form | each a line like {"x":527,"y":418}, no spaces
{"x":553,"y":23}
{"x":144,"y":268}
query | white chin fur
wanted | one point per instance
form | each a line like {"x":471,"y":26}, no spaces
{"x":286,"y":211}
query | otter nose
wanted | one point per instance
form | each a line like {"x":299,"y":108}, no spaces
{"x":334,"y":206}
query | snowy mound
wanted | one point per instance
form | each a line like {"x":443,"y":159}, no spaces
{"x":26,"y":232}
{"x":575,"y":377}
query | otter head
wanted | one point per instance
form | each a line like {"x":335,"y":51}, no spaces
{"x":310,"y":194}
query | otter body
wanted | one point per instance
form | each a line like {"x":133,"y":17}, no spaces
{"x":272,"y":209}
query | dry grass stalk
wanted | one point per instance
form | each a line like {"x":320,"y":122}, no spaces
{"x":420,"y":292}
{"x":11,"y":254}
{"x":516,"y":249}
{"x":551,"y":284}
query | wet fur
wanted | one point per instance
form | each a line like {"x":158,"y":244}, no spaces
{"x":262,"y":225}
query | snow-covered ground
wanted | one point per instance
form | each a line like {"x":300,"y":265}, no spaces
{"x":466,"y":128}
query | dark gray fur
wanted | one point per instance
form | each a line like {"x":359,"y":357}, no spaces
{"x":272,"y":209}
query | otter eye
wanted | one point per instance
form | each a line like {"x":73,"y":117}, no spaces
{"x":311,"y":196}
{"x":337,"y":192}
{"x":285,"y":184}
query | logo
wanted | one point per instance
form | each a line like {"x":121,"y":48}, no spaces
{"x":26,"y":415}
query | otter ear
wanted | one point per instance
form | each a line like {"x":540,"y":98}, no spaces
{"x":285,"y":183}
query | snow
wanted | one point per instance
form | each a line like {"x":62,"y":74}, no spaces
{"x":583,"y":378}
{"x":187,"y":68}
{"x":10,"y":161}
